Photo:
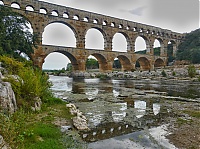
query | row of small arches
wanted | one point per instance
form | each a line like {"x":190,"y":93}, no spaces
{"x":95,"y":21}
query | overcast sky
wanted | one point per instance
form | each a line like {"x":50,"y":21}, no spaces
{"x":176,"y":15}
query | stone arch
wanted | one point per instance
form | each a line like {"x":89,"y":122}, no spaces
{"x":29,"y":8}
{"x":63,"y":25}
{"x":15,"y":5}
{"x":125,"y":63}
{"x":72,"y":58}
{"x":120,"y":41}
{"x":55,"y":13}
{"x":90,"y":38}
{"x":159,"y":49}
{"x":65,"y":15}
{"x":144,"y":63}
{"x":103,"y":64}
{"x":1,"y":2}
{"x":172,"y":48}
{"x":141,"y":43}
{"x":159,"y":63}
{"x":43,"y":10}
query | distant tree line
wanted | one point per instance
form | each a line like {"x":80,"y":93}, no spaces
{"x":189,"y":49}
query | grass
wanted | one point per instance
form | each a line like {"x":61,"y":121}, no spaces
{"x":35,"y":130}
{"x":195,"y":114}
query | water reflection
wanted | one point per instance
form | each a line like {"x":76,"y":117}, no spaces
{"x":140,"y":107}
{"x":156,"y":108}
{"x":91,"y":93}
{"x":110,"y":112}
{"x":61,"y":83}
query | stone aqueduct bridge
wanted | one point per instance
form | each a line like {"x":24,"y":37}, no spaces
{"x":42,"y":14}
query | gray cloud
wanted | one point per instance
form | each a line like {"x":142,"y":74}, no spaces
{"x":175,"y":13}
{"x":138,"y":11}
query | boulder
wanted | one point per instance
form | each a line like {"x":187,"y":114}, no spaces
{"x":79,"y":121}
{"x":7,"y":98}
{"x":3,"y":144}
{"x":37,"y":104}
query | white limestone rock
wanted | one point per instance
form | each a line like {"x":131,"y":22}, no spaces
{"x":7,"y":98}
{"x":3,"y":144}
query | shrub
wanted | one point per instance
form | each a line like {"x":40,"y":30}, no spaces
{"x":173,"y":73}
{"x":31,"y":82}
{"x":163,"y":73}
{"x":191,"y":71}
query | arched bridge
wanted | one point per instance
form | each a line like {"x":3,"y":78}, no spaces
{"x":40,"y":14}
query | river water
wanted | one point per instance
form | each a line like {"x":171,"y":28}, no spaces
{"x":125,"y":114}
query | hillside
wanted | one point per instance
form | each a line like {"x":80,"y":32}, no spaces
{"x":189,"y":49}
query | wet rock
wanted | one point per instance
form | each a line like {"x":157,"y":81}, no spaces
{"x":3,"y":144}
{"x":7,"y":98}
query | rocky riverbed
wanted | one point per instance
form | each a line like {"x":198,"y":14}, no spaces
{"x":138,"y":104}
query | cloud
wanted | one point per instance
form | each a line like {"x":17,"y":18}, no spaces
{"x":179,"y":14}
{"x":138,"y":11}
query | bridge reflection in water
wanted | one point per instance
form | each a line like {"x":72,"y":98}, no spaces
{"x":110,"y":113}
{"x":139,"y":115}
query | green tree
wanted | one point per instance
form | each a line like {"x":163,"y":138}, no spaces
{"x":15,"y":37}
{"x":189,"y":49}
{"x":116,"y":64}
{"x":92,"y":63}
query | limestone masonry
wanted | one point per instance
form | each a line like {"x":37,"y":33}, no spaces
{"x":81,"y":21}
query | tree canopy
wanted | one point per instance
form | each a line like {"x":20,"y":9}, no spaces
{"x":15,"y":36}
{"x":189,"y":49}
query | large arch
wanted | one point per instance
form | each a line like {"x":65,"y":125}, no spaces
{"x":15,"y":5}
{"x":103,"y":64}
{"x":119,"y":42}
{"x":158,"y":47}
{"x":125,"y":63}
{"x":171,"y":48}
{"x":61,"y":57}
{"x":159,"y":63}
{"x":1,"y":2}
{"x":59,"y":34}
{"x":141,"y":44}
{"x":144,"y":63}
{"x":94,"y":39}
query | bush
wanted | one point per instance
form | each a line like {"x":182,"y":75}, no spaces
{"x":173,"y":73}
{"x":163,"y":73}
{"x":31,"y":82}
{"x":191,"y":71}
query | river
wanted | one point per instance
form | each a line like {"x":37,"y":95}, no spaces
{"x":125,"y":114}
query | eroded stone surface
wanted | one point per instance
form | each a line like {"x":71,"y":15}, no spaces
{"x":7,"y":98}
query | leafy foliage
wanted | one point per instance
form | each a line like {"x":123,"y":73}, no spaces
{"x":92,"y":63}
{"x":191,"y":71}
{"x":117,"y":64}
{"x":31,"y":82}
{"x":15,"y":37}
{"x":190,"y":48}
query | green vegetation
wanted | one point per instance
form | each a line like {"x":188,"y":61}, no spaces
{"x":195,"y":114}
{"x":117,"y":64}
{"x":191,"y":71}
{"x":27,"y":129}
{"x":164,"y":73}
{"x":15,"y":37}
{"x":92,"y":64}
{"x":189,"y":49}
